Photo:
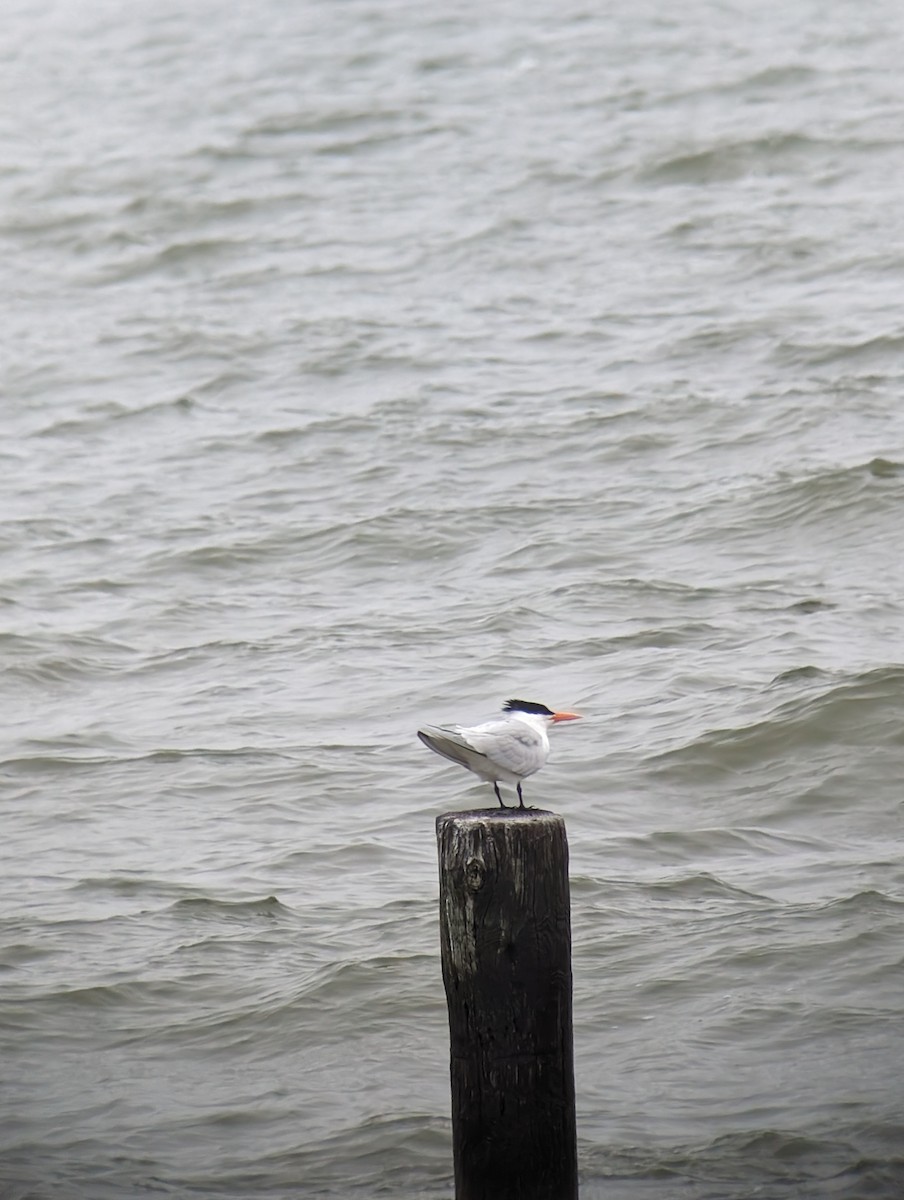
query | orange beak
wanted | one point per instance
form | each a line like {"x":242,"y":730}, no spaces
{"x":566,"y":717}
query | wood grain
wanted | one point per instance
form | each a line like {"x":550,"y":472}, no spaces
{"x":506,"y":957}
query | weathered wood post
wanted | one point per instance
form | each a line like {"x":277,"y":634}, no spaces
{"x":505,"y":927}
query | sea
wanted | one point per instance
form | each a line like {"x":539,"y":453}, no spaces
{"x":366,"y":364}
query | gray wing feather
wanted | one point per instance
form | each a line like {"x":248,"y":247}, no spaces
{"x":519,"y":751}
{"x":451,"y":745}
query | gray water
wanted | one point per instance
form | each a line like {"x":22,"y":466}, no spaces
{"x":366,"y":364}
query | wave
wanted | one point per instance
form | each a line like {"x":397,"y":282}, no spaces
{"x":98,"y":417}
{"x":80,"y":753}
{"x":409,"y":1152}
{"x":733,"y":159}
{"x":829,"y":499}
{"x":864,"y":709}
{"x":208,"y":908}
{"x":754,"y":1161}
{"x":877,"y":350}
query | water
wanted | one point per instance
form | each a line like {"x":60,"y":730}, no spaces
{"x":369,"y":364}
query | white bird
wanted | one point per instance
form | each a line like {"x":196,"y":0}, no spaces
{"x":509,"y":748}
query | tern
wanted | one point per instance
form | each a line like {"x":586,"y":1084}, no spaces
{"x":507,"y":749}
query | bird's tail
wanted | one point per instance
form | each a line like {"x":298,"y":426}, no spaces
{"x":452,"y":746}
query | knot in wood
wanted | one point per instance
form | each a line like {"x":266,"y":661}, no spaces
{"x":475,"y":874}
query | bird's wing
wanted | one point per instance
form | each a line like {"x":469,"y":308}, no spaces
{"x":513,"y":745}
{"x":452,"y":744}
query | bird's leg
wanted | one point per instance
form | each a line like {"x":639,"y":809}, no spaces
{"x":521,"y":803}
{"x":498,"y":797}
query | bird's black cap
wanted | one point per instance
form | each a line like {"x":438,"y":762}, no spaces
{"x":527,"y":706}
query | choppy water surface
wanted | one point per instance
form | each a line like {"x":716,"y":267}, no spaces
{"x":368,"y":364}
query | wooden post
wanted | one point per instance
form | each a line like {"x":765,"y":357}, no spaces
{"x":505,"y":927}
